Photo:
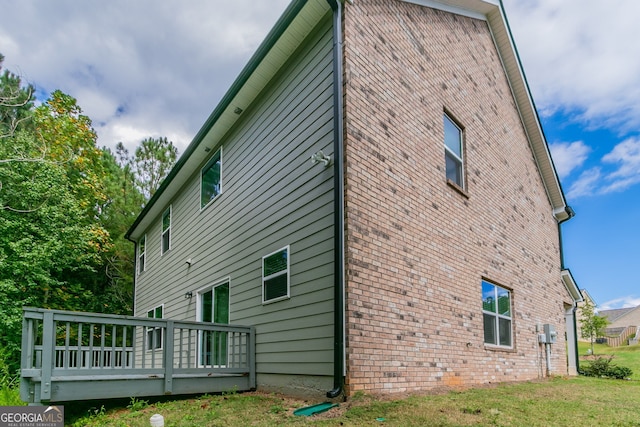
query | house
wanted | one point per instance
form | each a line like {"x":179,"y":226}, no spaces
{"x":624,"y":325}
{"x":375,"y":196}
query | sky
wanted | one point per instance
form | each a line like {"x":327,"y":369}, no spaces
{"x":158,"y":68}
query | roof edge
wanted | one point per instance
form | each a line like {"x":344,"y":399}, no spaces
{"x":571,"y":285}
{"x":263,"y":49}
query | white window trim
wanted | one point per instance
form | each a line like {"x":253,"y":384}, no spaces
{"x":200,"y":187}
{"x":207,"y":288}
{"x":168,"y":230}
{"x":498,"y":316}
{"x":146,"y":338}
{"x":142,"y":254}
{"x":454,"y":155}
{"x":288,"y":273}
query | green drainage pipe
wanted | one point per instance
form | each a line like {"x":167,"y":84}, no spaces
{"x":314,"y":409}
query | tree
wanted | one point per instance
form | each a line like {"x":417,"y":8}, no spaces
{"x":152,"y":161}
{"x":591,"y":324}
{"x":16,"y":102}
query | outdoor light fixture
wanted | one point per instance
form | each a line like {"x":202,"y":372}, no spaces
{"x":320,"y":157}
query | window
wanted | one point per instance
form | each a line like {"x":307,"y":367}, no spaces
{"x":213,"y":306}
{"x":154,"y":335}
{"x":275,"y":276}
{"x":141,"y":252}
{"x":453,"y":152}
{"x":496,"y":310}
{"x":166,"y":230}
{"x":211,"y":179}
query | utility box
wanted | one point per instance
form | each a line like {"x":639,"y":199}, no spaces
{"x":550,"y":334}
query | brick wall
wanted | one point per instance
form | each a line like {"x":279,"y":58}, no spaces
{"x":417,"y":248}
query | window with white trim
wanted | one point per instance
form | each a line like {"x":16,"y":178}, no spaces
{"x":166,"y":230}
{"x":211,"y":179}
{"x":154,"y":335}
{"x":142,"y":243}
{"x":275,"y":276}
{"x":497,"y":316}
{"x":453,"y":152}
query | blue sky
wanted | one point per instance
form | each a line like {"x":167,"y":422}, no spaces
{"x":149,"y":68}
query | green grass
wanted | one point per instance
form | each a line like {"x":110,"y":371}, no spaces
{"x":626,"y":355}
{"x":556,"y":402}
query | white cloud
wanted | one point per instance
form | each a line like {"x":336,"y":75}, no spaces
{"x":568,"y":156}
{"x":580,"y":57}
{"x":137,"y":69}
{"x":627,"y":156}
{"x":623,"y":302}
{"x":586,"y":184}
{"x":619,"y":170}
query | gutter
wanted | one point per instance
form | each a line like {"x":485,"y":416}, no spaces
{"x":338,"y":200}
{"x":570,"y":214}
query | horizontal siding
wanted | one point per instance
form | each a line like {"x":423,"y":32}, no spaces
{"x":272,"y":196}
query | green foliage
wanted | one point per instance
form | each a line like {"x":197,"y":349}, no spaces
{"x":137,"y":404}
{"x":65,"y":206}
{"x":592,"y":325}
{"x":152,"y":162}
{"x":16,"y":102}
{"x":9,"y":384}
{"x":602,"y":367}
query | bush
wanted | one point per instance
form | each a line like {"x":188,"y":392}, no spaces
{"x":603,"y":368}
{"x":9,"y":384}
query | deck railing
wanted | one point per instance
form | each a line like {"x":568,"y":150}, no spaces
{"x":80,"y":356}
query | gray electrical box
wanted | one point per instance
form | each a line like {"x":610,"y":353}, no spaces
{"x":550,"y":334}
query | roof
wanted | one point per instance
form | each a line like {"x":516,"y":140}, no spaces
{"x":616,"y":313}
{"x":296,"y":22}
{"x":294,"y":25}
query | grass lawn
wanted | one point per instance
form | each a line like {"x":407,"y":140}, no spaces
{"x":628,"y":356}
{"x":558,"y":401}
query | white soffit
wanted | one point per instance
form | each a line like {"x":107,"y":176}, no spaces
{"x":473,"y":9}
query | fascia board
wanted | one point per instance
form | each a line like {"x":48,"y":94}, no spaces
{"x":297,"y":21}
{"x":571,"y":285}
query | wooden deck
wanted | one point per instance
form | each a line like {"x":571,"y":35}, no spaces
{"x":70,"y":356}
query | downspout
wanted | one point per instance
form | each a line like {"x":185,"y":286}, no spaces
{"x":338,"y":200}
{"x":571,"y":213}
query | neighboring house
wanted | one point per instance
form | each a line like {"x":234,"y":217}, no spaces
{"x":376,"y":196}
{"x":623,"y":324}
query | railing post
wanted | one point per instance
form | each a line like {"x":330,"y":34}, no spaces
{"x":251,"y":357}
{"x":26,"y":356}
{"x":168,"y":357}
{"x":48,"y":348}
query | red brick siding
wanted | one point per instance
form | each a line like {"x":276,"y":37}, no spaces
{"x":417,"y":249}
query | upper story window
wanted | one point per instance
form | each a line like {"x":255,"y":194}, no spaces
{"x":154,"y":335}
{"x":211,"y":179}
{"x":142,"y":243}
{"x":275,"y":276}
{"x":166,"y":230}
{"x":496,"y":312}
{"x":453,"y":152}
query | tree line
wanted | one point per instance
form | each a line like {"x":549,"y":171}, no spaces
{"x":65,"y":206}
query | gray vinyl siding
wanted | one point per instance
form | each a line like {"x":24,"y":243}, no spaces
{"x":272,"y":196}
